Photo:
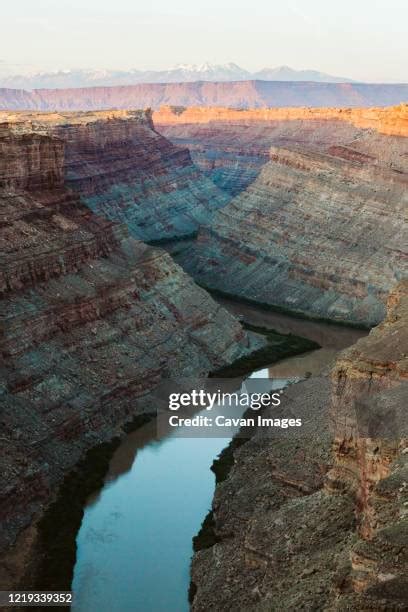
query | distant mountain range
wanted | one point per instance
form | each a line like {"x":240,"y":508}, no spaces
{"x":182,"y":73}
{"x":237,"y":94}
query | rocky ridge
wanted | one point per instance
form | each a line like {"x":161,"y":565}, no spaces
{"x":90,"y":321}
{"x":305,"y":523}
{"x":234,"y":94}
{"x":392,"y":120}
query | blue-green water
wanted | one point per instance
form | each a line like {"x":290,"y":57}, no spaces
{"x":135,"y":542}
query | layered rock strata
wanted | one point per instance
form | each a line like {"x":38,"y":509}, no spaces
{"x":126,"y":171}
{"x":319,"y":233}
{"x":302,"y":523}
{"x":90,"y":321}
{"x":236,"y":94}
{"x":231,"y":146}
{"x":392,"y":120}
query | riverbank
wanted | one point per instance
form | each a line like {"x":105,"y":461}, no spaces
{"x":260,"y":480}
{"x":141,"y":466}
{"x":139,"y":527}
{"x":333,"y":338}
{"x":278,"y":347}
{"x":238,"y":299}
{"x":50,"y":560}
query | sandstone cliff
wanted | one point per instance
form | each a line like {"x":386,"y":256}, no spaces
{"x":236,"y":94}
{"x":322,"y":230}
{"x":90,"y":321}
{"x":391,"y":120}
{"x":304,"y":524}
{"x":126,"y":171}
{"x":232,"y":146}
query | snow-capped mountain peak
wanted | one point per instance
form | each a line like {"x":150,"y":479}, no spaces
{"x":181,"y":73}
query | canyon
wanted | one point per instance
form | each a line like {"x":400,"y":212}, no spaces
{"x":291,"y":209}
{"x":91,"y":319}
{"x":318,"y":223}
{"x":302,"y":522}
{"x":126,"y":171}
{"x":236,"y":94}
{"x":231,"y":146}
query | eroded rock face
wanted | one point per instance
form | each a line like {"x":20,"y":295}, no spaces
{"x":231,"y":146}
{"x":268,"y":517}
{"x":126,"y":171}
{"x":389,"y":120}
{"x":304,"y":524}
{"x":322,"y":230}
{"x":90,"y":321}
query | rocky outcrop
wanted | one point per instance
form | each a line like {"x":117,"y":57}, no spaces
{"x":90,"y":321}
{"x":126,"y":171}
{"x":370,"y":425}
{"x":322,"y":229}
{"x":231,"y":146}
{"x":236,"y":94}
{"x":301,"y":523}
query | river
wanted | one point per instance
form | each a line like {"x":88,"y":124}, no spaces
{"x":134,"y":546}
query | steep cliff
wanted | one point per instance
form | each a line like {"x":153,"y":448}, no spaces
{"x":90,"y":321}
{"x":301,"y":523}
{"x":126,"y":171}
{"x":370,"y":426}
{"x":235,"y":94}
{"x":232,"y":146}
{"x":322,"y":230}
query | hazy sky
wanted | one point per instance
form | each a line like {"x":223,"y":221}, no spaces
{"x":361,"y":39}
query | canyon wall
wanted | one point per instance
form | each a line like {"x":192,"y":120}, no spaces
{"x":232,"y":146}
{"x":302,"y":523}
{"x":90,"y":321}
{"x":322,"y":229}
{"x":237,"y":94}
{"x":126,"y":171}
{"x":391,"y":120}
